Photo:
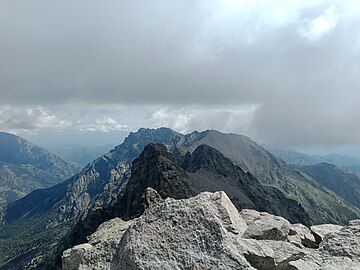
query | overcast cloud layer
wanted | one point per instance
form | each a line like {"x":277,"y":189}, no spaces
{"x":283,"y":72}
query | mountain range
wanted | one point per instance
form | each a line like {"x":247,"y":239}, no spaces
{"x":176,"y":165}
{"x":298,"y":158}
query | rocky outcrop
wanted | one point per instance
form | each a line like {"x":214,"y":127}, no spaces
{"x":101,"y":248}
{"x":299,"y":235}
{"x":206,"y":169}
{"x":320,"y":231}
{"x":156,"y":168}
{"x":207,"y":232}
{"x":193,"y":232}
{"x":339,"y":249}
{"x":264,"y":226}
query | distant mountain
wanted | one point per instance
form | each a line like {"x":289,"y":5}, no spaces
{"x":18,"y":180}
{"x":80,"y":154}
{"x":53,"y":212}
{"x":25,"y":167}
{"x":344,"y":184}
{"x":317,"y":200}
{"x":298,"y":158}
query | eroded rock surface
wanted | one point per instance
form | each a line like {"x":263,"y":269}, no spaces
{"x":338,"y":250}
{"x":320,"y":231}
{"x":99,"y":252}
{"x":207,"y":232}
{"x":301,"y":235}
{"x":264,"y":226}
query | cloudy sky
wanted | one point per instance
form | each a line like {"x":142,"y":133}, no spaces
{"x":284,"y":72}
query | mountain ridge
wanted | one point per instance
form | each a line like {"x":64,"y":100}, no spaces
{"x":25,"y":167}
{"x":102,"y":181}
{"x":206,"y":169}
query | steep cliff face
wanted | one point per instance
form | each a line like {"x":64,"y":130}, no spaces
{"x":156,"y":168}
{"x":207,"y":232}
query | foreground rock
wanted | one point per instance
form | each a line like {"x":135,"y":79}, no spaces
{"x":207,"y":232}
{"x":300,"y":235}
{"x":264,"y":226}
{"x":101,"y":248}
{"x":339,"y":250}
{"x":320,"y":231}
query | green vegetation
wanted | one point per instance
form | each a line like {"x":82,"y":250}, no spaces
{"x":30,"y":237}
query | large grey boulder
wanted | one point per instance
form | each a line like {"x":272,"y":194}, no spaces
{"x":320,"y":231}
{"x":207,"y":232}
{"x":301,"y":236}
{"x":264,"y":226}
{"x":196,"y":233}
{"x":338,"y":250}
{"x":269,"y":254}
{"x":99,"y":252}
{"x":345,"y":243}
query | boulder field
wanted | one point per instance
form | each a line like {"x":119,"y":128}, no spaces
{"x":208,"y":232}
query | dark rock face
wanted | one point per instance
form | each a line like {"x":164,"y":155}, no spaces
{"x":210,"y":170}
{"x":155,"y":168}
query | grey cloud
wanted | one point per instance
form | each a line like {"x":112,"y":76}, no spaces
{"x":162,"y":52}
{"x":29,"y":119}
{"x":190,"y":118}
{"x":183,"y":55}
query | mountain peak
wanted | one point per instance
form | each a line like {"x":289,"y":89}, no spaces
{"x":207,"y":157}
{"x":155,"y":168}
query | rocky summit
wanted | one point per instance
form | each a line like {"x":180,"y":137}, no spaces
{"x":207,"y":232}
